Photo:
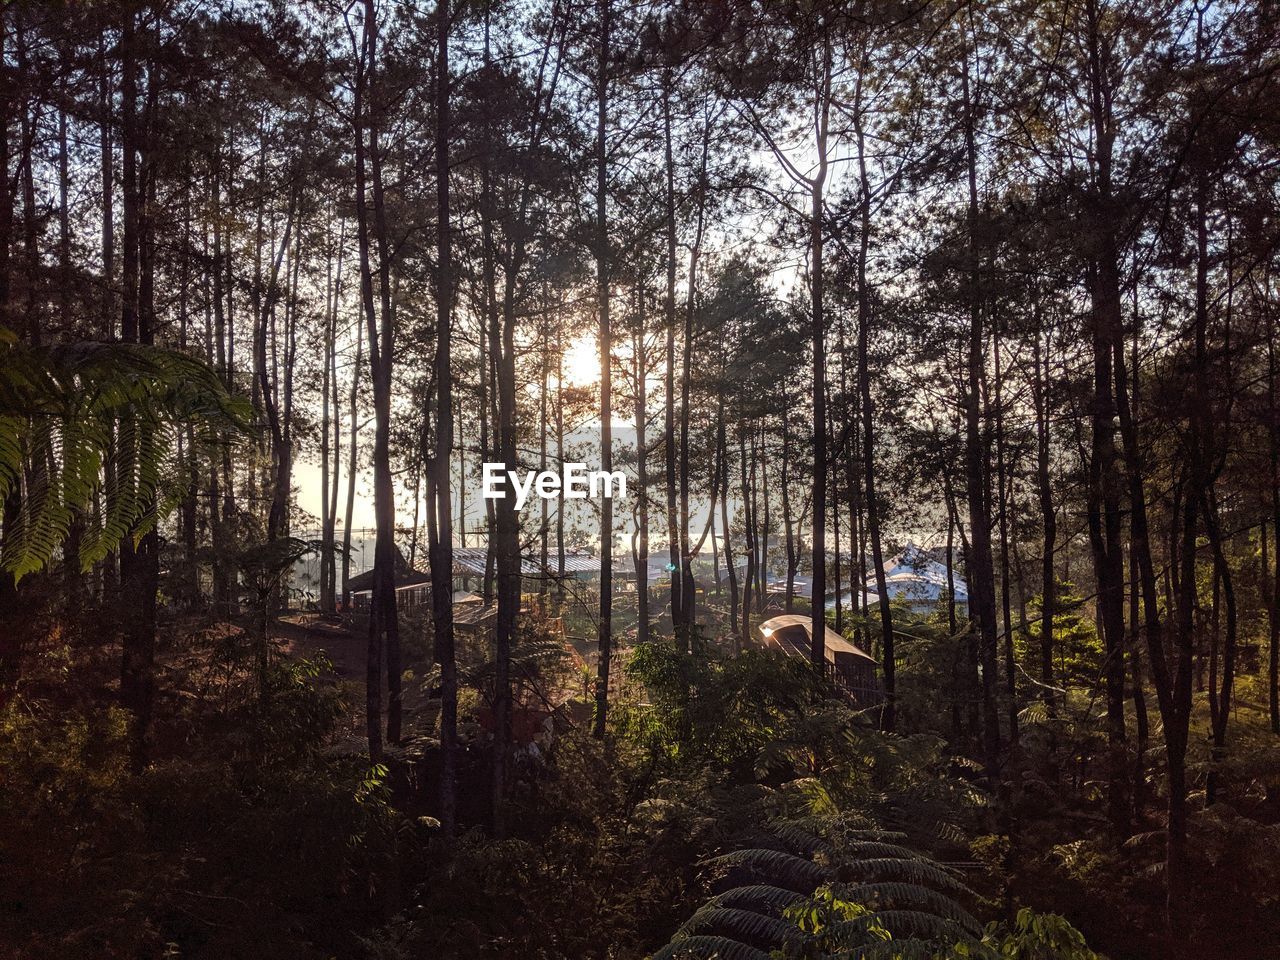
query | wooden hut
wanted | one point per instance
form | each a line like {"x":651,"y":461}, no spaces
{"x":850,"y":668}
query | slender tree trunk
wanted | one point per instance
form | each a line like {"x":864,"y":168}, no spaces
{"x":818,"y":619}
{"x":382,"y":601}
{"x":10,"y":609}
{"x":982,"y":603}
{"x":788,"y":524}
{"x":888,"y":717}
{"x":353,"y":455}
{"x":1048,"y":517}
{"x":440,"y":545}
{"x":384,"y":593}
{"x":640,"y":372}
{"x":1004,"y":505}
{"x":28,"y":130}
{"x":722,"y":441}
{"x":139,"y":559}
{"x":1273,"y":598}
{"x":560,"y":459}
{"x":605,"y":627}
{"x":687,"y":586}
{"x":329,"y":483}
{"x":1139,"y":693}
{"x":748,"y":526}
{"x":669,"y":436}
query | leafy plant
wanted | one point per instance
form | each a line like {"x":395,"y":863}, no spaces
{"x":826,"y":887}
{"x":87,"y":418}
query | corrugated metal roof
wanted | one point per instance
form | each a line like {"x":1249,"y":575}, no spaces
{"x":469,"y":562}
{"x":833,"y":643}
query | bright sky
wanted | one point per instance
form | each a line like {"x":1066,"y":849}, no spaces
{"x":581,"y":368}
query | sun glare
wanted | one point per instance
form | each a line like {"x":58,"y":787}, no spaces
{"x":582,"y":362}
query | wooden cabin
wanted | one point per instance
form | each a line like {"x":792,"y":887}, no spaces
{"x":850,"y":668}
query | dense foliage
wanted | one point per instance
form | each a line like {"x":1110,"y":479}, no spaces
{"x":948,"y":327}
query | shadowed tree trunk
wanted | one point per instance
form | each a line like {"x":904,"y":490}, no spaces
{"x":669,"y":423}
{"x":139,"y":556}
{"x":982,"y":601}
{"x":639,"y":373}
{"x":888,"y":717}
{"x":441,"y":532}
{"x":383,"y":624}
{"x":604,"y":634}
{"x":1048,"y":513}
{"x":817,"y":617}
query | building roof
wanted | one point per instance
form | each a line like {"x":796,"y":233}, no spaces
{"x":913,"y":574}
{"x":793,"y":623}
{"x":869,"y":598}
{"x":470,"y":561}
{"x":405,"y":576}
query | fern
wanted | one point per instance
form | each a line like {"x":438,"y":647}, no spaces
{"x":893,"y":892}
{"x":98,"y":418}
{"x":758,"y":897}
{"x":776,"y":865}
{"x":910,"y":949}
{"x":900,"y":923}
{"x":746,"y":925}
{"x":707,"y":948}
{"x":900,"y":904}
{"x":916,"y":870}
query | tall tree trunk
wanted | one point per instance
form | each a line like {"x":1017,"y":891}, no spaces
{"x":110,"y":565}
{"x":722,"y":441}
{"x":267,"y":384}
{"x":441,"y":542}
{"x":1273,"y":596}
{"x":139,"y":558}
{"x":817,"y":616}
{"x":669,"y":423}
{"x":687,"y":586}
{"x":10,"y":610}
{"x":788,"y":524}
{"x":329,"y":442}
{"x":605,"y":627}
{"x":888,"y":717}
{"x":1048,"y":514}
{"x":982,"y":602}
{"x":384,"y":599}
{"x":1003,"y":504}
{"x":748,"y":526}
{"x":1139,"y":693}
{"x":560,"y":572}
{"x":640,"y":371}
{"x":382,"y":618}
{"x":353,"y":455}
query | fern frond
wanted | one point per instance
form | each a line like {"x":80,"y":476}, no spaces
{"x":775,"y":866}
{"x":798,"y":838}
{"x":759,"y":897}
{"x":863,"y":849}
{"x":82,"y":418}
{"x":916,"y":870}
{"x":899,"y":923}
{"x":891,"y":894}
{"x":910,"y":949}
{"x":740,"y":924}
{"x":709,"y":948}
